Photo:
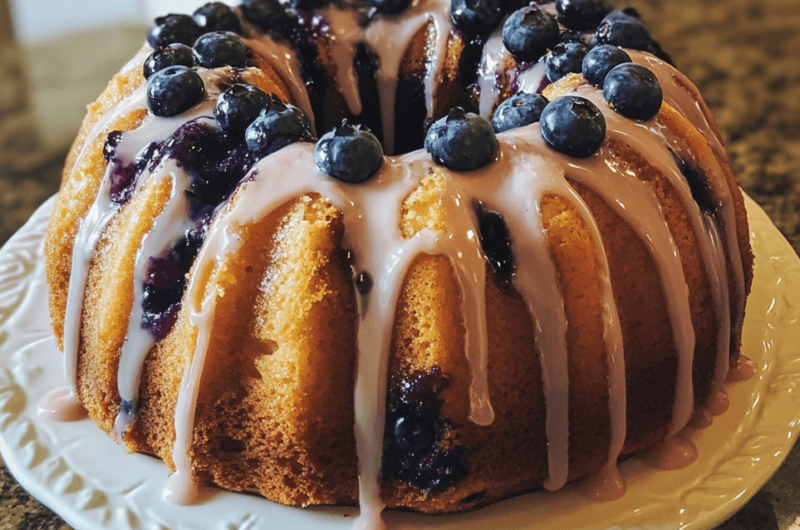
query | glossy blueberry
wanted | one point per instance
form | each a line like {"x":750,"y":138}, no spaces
{"x":519,"y":110}
{"x":170,"y":55}
{"x":476,"y":17}
{"x":461,"y":141}
{"x":220,"y":48}
{"x":276,"y":127}
{"x":390,"y":7}
{"x":308,"y":5}
{"x":633,"y":91}
{"x":623,"y":30}
{"x":171,"y":29}
{"x":268,"y":16}
{"x":496,"y":243}
{"x":529,"y":32}
{"x":216,"y":16}
{"x":573,"y":125}
{"x":349,"y":153}
{"x":238,"y":106}
{"x":565,"y":58}
{"x":174,"y":90}
{"x":600,"y":60}
{"x":582,"y":15}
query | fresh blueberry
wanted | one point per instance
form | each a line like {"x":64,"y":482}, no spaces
{"x":173,"y":28}
{"x":390,"y":7}
{"x":276,"y":127}
{"x":496,"y":243}
{"x":308,"y":5}
{"x":633,"y":91}
{"x":623,"y":30}
{"x":269,"y":16}
{"x":529,"y":32}
{"x":565,"y":58}
{"x":171,"y":55}
{"x":238,"y":106}
{"x":476,"y":17}
{"x":216,"y":16}
{"x":349,"y":153}
{"x":220,"y":48}
{"x":574,"y":126}
{"x":461,"y":141}
{"x":519,"y":110}
{"x":600,"y":60}
{"x":174,"y":90}
{"x":582,"y":15}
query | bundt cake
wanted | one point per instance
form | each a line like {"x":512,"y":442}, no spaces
{"x":547,"y":272}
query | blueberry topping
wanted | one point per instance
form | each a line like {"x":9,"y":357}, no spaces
{"x":582,"y":15}
{"x":216,"y":16}
{"x":519,"y":110}
{"x":600,"y":60}
{"x":165,"y":56}
{"x":565,"y":58}
{"x":496,"y":243}
{"x":364,"y":283}
{"x":529,"y":32}
{"x":574,"y":126}
{"x":110,"y":146}
{"x":171,"y":29}
{"x":276,"y":127}
{"x":238,"y":106}
{"x":220,"y":48}
{"x":269,"y":16}
{"x":349,"y":153}
{"x":390,"y":7}
{"x":623,"y":30}
{"x":174,"y":90}
{"x":461,"y":141}
{"x":633,"y":91}
{"x":308,"y":5}
{"x":476,"y":17}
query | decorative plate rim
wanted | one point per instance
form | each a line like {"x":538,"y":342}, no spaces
{"x":76,"y":470}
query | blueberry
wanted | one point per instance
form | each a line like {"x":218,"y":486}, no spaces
{"x":170,"y":55}
{"x":476,"y":17}
{"x":349,"y":153}
{"x":390,"y":7}
{"x":496,"y":243}
{"x":238,"y":106}
{"x":276,"y":127}
{"x":600,"y":60}
{"x":633,"y":91}
{"x":308,"y":5}
{"x":174,"y":90}
{"x":519,"y":110}
{"x":269,"y":16}
{"x":461,"y":141}
{"x":216,"y":16}
{"x":565,"y":58}
{"x":220,"y":48}
{"x":623,"y":30}
{"x":529,"y":32}
{"x":110,"y":146}
{"x":582,"y":15}
{"x":573,"y":126}
{"x":171,"y":29}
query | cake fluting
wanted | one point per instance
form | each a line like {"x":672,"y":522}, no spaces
{"x":557,"y":280}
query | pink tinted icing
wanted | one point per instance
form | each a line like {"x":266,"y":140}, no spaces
{"x":60,"y":405}
{"x":607,"y":485}
{"x":676,"y":452}
{"x":742,"y":369}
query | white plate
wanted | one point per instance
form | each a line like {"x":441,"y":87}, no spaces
{"x":76,"y":470}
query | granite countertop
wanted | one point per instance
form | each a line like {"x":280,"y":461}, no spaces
{"x":741,"y":53}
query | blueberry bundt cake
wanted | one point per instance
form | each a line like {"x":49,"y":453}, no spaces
{"x":545,"y":272}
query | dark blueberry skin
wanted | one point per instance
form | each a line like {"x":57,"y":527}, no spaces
{"x":308,"y":5}
{"x":390,"y":7}
{"x":276,"y":127}
{"x":165,"y":56}
{"x":496,"y":243}
{"x":574,"y":126}
{"x":238,"y":107}
{"x":461,"y":141}
{"x":565,"y":58}
{"x":174,"y":90}
{"x":633,"y":91}
{"x":600,"y":60}
{"x":623,"y":30}
{"x":529,"y":32}
{"x":171,"y":29}
{"x":216,"y":16}
{"x":519,"y":110}
{"x":476,"y":17}
{"x":349,"y":153}
{"x":220,"y":48}
{"x":582,"y":15}
{"x":269,"y":16}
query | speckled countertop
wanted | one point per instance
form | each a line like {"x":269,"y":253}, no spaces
{"x":743,"y":54}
